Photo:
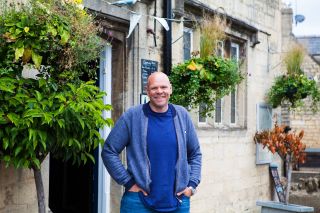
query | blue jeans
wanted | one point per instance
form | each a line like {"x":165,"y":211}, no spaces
{"x":131,"y":203}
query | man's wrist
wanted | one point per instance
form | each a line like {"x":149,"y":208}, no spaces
{"x":193,"y":190}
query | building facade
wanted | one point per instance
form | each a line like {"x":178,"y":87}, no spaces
{"x":235,"y":171}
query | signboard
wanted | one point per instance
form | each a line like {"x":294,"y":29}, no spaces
{"x":147,"y":67}
{"x":276,"y":180}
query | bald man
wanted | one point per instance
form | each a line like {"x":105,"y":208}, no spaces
{"x":163,"y":153}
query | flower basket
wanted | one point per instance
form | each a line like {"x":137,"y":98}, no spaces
{"x":294,"y":86}
{"x":293,"y":89}
{"x":203,"y":80}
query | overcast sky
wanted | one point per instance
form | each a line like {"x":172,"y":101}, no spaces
{"x":311,"y":10}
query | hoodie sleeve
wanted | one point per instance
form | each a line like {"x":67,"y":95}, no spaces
{"x":194,"y":154}
{"x":116,"y":141}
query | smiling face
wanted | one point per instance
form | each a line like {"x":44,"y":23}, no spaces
{"x":159,"y":91}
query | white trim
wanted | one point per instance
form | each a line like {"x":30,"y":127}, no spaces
{"x":104,"y":180}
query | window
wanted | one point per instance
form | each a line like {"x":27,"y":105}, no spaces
{"x":218,"y":111}
{"x":264,"y":122}
{"x":187,"y":43}
{"x":202,"y":119}
{"x":230,"y":111}
{"x":234,"y":54}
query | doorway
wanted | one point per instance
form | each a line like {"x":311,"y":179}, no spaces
{"x":76,"y":189}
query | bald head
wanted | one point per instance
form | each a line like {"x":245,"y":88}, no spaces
{"x":158,"y":76}
{"x":159,"y":91}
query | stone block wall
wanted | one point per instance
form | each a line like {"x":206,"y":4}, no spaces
{"x":305,"y":189}
{"x":304,"y":118}
{"x":231,"y":180}
{"x":18,"y":191}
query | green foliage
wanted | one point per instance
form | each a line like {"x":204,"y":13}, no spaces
{"x":59,"y":112}
{"x":293,"y":88}
{"x":212,"y":31}
{"x":40,"y":116}
{"x":58,"y":36}
{"x":203,"y":80}
{"x":294,"y":59}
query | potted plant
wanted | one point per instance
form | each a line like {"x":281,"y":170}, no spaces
{"x":60,"y":110}
{"x":294,"y":86}
{"x":204,"y":79}
{"x":289,"y":146}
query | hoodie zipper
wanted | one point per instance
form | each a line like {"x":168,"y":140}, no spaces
{"x":148,"y":172}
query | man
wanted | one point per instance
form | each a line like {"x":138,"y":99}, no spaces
{"x":163,"y":153}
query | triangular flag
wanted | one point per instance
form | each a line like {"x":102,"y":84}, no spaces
{"x":163,"y":22}
{"x":134,"y":19}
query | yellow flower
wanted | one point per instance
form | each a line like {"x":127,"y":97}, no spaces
{"x":193,"y":66}
{"x":73,"y":1}
{"x":26,"y":29}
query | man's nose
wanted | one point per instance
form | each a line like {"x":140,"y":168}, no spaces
{"x":159,"y":90}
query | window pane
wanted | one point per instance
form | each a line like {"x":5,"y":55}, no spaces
{"x":235,"y":56}
{"x":233,"y":107}
{"x":202,"y":119}
{"x":265,"y":117}
{"x":186,"y":45}
{"x":219,"y":51}
{"x":218,"y":112}
{"x":264,"y":122}
{"x":234,"y":52}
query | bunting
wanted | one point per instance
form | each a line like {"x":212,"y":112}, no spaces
{"x":134,"y":20}
{"x":135,"y":17}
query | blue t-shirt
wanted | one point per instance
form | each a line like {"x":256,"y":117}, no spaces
{"x":162,"y":151}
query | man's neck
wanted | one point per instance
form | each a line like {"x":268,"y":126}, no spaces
{"x":159,"y":109}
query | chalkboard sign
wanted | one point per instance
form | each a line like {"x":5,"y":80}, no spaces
{"x":147,"y":67}
{"x":276,"y":180}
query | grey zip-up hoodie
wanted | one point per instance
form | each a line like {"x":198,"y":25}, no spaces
{"x":130,"y":132}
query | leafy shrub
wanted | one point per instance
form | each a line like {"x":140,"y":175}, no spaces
{"x":203,"y":80}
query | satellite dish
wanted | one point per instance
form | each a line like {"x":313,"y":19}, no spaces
{"x":299,"y":18}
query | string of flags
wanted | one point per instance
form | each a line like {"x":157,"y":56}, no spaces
{"x":135,"y":17}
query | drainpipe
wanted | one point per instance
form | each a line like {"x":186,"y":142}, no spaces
{"x":167,"y":47}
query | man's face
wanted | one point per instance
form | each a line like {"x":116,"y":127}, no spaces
{"x":159,"y":91}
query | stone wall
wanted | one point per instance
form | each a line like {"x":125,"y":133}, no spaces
{"x":17,"y":186}
{"x":231,"y":180}
{"x":18,"y":191}
{"x":304,"y":118}
{"x":305,"y":189}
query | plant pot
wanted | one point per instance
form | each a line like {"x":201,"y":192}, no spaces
{"x":277,"y":207}
{"x":291,"y":91}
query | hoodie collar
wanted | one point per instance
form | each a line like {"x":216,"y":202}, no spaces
{"x":145,"y":109}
